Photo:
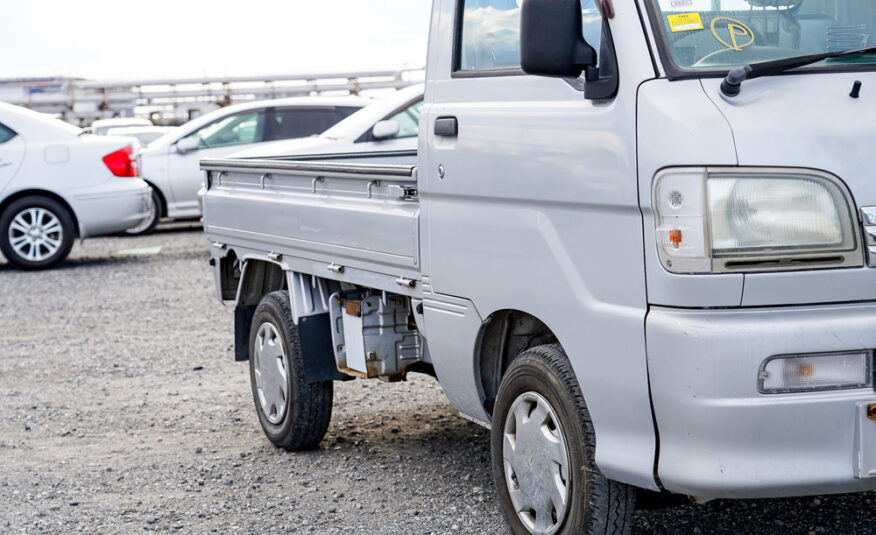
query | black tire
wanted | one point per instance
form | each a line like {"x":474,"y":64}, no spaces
{"x":66,"y":235}
{"x":596,"y":505}
{"x":308,"y":407}
{"x":147,"y":227}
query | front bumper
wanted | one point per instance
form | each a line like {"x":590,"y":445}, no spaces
{"x":721,"y":438}
{"x":112,"y":207}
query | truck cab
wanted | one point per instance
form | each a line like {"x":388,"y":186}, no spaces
{"x":638,"y":245}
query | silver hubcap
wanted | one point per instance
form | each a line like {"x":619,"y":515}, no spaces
{"x":271,"y":371}
{"x":536,"y":461}
{"x":36,"y":234}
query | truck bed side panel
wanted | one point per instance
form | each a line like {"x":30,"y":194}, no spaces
{"x":361,"y":222}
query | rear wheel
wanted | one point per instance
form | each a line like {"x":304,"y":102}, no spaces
{"x":294,"y":414}
{"x":36,"y":232}
{"x":543,"y":447}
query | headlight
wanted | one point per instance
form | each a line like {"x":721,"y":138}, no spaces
{"x":736,"y":220}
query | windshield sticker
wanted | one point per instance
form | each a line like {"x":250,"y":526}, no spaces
{"x":685,"y":22}
{"x":740,"y":35}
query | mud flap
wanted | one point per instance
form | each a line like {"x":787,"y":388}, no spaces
{"x":242,"y":325}
{"x":318,"y":352}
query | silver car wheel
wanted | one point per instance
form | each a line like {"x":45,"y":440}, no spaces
{"x":36,"y":234}
{"x":536,"y":460}
{"x":271,"y":372}
{"x":147,"y":221}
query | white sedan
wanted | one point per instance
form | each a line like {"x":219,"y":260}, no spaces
{"x":56,"y":184}
{"x":383,"y":132}
{"x":171,"y":163}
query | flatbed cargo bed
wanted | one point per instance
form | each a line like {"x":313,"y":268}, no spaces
{"x":348,"y":222}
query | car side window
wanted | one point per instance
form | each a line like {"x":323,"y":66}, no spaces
{"x":591,"y":24}
{"x":290,"y":123}
{"x":6,"y":133}
{"x":408,"y":121}
{"x":489,"y":36}
{"x":239,"y":129}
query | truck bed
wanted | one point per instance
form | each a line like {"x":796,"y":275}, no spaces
{"x":345,"y":221}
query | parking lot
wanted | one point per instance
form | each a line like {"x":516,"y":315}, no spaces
{"x":122,"y":411}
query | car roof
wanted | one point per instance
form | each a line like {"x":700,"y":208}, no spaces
{"x":320,"y":100}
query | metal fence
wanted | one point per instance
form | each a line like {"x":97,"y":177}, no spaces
{"x":177,"y":100}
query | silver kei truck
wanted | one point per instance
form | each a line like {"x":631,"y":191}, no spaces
{"x":639,"y":244}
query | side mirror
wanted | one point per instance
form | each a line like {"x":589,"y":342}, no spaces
{"x":188,"y":144}
{"x":385,"y":129}
{"x":551,"y":39}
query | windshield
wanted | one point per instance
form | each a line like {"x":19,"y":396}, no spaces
{"x":718,"y":35}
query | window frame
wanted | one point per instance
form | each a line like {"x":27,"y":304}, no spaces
{"x":456,"y":70}
{"x":597,"y":88}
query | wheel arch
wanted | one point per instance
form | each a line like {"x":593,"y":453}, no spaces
{"x":42,"y":193}
{"x":258,"y":276}
{"x":261,"y":276}
{"x":504,"y":335}
{"x":624,"y":452}
{"x":161,"y":197}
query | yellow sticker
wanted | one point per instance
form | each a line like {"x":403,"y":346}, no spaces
{"x":685,"y":22}
{"x":740,"y":35}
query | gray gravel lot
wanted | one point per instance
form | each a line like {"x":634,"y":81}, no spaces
{"x":123,"y":412}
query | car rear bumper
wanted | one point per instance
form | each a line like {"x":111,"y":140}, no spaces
{"x":721,"y":438}
{"x":113,"y":207}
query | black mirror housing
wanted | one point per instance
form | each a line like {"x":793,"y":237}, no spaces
{"x":551,"y":39}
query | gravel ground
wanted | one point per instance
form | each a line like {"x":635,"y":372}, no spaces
{"x":123,"y":411}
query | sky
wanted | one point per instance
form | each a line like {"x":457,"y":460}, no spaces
{"x":181,"y":38}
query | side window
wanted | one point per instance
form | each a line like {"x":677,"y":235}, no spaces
{"x":342,"y":112}
{"x":290,"y":123}
{"x":591,"y":22}
{"x":490,"y":33}
{"x":6,"y":134}
{"x":239,"y":129}
{"x":408,"y":121}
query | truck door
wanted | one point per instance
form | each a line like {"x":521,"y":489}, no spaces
{"x":11,"y":155}
{"x":533,"y":206}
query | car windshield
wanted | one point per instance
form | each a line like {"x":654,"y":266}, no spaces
{"x":718,"y":35}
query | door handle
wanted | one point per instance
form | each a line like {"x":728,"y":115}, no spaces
{"x":446,"y":127}
{"x":5,"y":164}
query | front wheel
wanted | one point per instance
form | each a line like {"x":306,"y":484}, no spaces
{"x":36,"y":232}
{"x":543,"y":448}
{"x":150,"y":221}
{"x":294,"y":414}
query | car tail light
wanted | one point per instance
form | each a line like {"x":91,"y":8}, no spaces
{"x":122,"y":162}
